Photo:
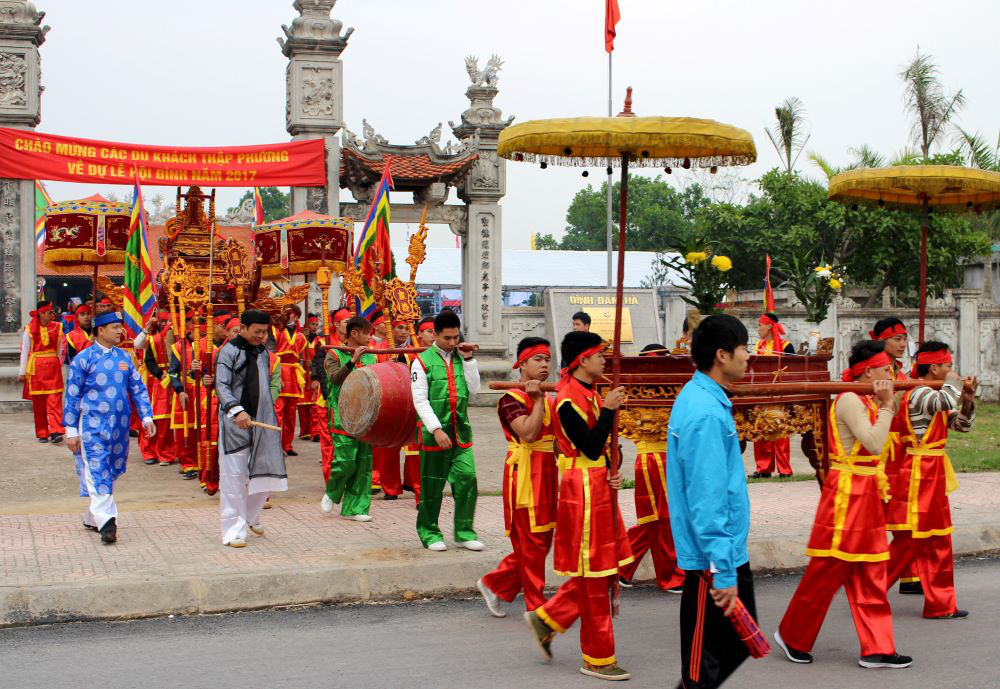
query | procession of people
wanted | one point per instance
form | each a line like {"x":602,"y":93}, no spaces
{"x":889,"y":471}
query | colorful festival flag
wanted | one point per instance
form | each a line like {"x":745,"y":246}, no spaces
{"x":768,"y":291}
{"x":42,"y":199}
{"x":611,"y":16}
{"x":258,"y":207}
{"x":139,"y":296}
{"x":373,"y":245}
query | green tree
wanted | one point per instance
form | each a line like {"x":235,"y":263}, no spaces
{"x":788,"y":137}
{"x":925,"y":99}
{"x":658,"y":215}
{"x":545,"y":242}
{"x":277,"y":203}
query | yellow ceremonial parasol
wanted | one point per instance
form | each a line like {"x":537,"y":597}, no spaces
{"x":947,"y":187}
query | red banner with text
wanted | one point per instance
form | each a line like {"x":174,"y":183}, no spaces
{"x":31,"y":155}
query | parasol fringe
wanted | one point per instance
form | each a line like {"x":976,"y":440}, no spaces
{"x":635,"y":161}
{"x":944,"y":185}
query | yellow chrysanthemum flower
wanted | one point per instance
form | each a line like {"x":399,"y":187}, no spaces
{"x":835,"y":283}
{"x":722,"y":263}
{"x":696,"y":257}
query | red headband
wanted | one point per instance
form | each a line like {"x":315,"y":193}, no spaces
{"x":232,"y":323}
{"x":765,"y":320}
{"x":81,"y":309}
{"x":395,"y":323}
{"x":42,"y":309}
{"x":163,"y":315}
{"x":530,"y":352}
{"x":312,"y":319}
{"x":378,"y":319}
{"x":221,"y":320}
{"x":429,"y":325}
{"x":857,"y":370}
{"x":898,"y":329}
{"x":575,"y":364}
{"x":341,"y":315}
{"x":941,"y":356}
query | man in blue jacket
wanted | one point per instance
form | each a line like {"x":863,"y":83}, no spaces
{"x":709,"y":505}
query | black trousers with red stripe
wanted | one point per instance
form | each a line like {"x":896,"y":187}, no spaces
{"x":710,"y":648}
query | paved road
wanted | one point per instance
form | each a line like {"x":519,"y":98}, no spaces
{"x":452,"y":644}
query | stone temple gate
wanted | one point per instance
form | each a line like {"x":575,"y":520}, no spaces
{"x":313,"y":44}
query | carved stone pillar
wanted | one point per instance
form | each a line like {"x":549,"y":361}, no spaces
{"x":314,"y":106}
{"x":21,"y":33}
{"x":967,"y":350}
{"x":482,"y":277}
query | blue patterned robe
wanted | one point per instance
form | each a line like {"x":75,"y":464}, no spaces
{"x":102,"y":388}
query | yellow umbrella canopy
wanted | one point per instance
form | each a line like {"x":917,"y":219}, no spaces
{"x":649,"y":141}
{"x":942,"y":186}
{"x":948,"y":187}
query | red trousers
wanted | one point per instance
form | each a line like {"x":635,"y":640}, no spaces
{"x":385,"y":470}
{"x":655,"y":536}
{"x":588,"y":599}
{"x":284,"y":409}
{"x":147,"y":445}
{"x":768,"y":453}
{"x":48,"y":411}
{"x":209,"y":471}
{"x":321,"y":429}
{"x":411,"y":471}
{"x":523,"y":569}
{"x":863,"y":582}
{"x":162,"y":445}
{"x":305,"y":421}
{"x":186,"y":449}
{"x":930,"y":559}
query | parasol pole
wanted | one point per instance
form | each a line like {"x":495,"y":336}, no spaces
{"x":924,"y":224}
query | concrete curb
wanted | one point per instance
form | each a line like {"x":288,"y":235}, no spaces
{"x":356,"y":580}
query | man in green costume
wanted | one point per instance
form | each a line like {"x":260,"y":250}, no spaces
{"x":351,"y":470}
{"x":443,"y":377}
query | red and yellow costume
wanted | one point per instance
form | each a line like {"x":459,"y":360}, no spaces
{"x":43,"y":382}
{"x":161,"y":396}
{"x":530,"y":484}
{"x":848,"y":548}
{"x":290,"y":347}
{"x":78,"y":338}
{"x":183,"y":420}
{"x":777,"y":453}
{"x":919,"y":514}
{"x":208,"y":457}
{"x":590,"y":544}
{"x":307,"y":406}
{"x":652,"y":532}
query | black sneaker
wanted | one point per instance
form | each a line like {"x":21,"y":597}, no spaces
{"x":189,"y":475}
{"x":911,"y":588}
{"x":676,"y":589}
{"x":625,"y":583}
{"x":784,"y":476}
{"x":894,"y":661}
{"x":759,"y":474}
{"x":133,"y":434}
{"x":790,"y":653}
{"x":109,"y":532}
{"x":390,"y":497}
{"x":88,"y":527}
{"x":292,"y":453}
{"x":543,"y":634}
{"x":43,"y":440}
{"x":957,"y":615}
{"x":315,"y":438}
{"x":55,"y":438}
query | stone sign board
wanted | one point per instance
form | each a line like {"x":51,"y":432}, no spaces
{"x":640,"y":318}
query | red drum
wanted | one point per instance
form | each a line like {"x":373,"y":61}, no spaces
{"x":376,"y":405}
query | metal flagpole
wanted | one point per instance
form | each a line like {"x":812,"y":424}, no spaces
{"x":610,"y":282}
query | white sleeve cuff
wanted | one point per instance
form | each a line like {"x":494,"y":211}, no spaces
{"x":71,"y":432}
{"x":234,"y":411}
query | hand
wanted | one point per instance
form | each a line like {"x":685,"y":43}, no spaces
{"x":442,"y":439}
{"x":150,"y":427}
{"x":315,"y":386}
{"x":207,"y":380}
{"x":20,"y":379}
{"x":242,"y":420}
{"x":970,"y":385}
{"x":615,"y":398}
{"x":73,"y":444}
{"x":196,"y":365}
{"x":467,"y":348}
{"x":615,"y":480}
{"x":358,"y":353}
{"x":534,"y":389}
{"x":183,"y":399}
{"x":726,"y":598}
{"x":883,"y":391}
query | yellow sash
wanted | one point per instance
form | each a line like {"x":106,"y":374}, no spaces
{"x":846,"y":464}
{"x":645,"y":447}
{"x":950,"y":479}
{"x":581,"y":462}
{"x":519,"y":457}
{"x":30,"y":367}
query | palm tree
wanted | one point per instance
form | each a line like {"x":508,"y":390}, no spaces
{"x":978,"y":154}
{"x":925,"y":98}
{"x":788,"y":137}
{"x":863,"y":156}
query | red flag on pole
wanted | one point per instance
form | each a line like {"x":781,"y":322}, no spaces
{"x":768,"y":291}
{"x":611,"y":16}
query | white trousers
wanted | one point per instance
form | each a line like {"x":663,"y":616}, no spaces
{"x":102,"y":507}
{"x":238,"y":507}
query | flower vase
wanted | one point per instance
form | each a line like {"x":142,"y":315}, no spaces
{"x":814,"y":339}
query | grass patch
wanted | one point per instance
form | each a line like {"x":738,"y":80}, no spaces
{"x":979,"y":449}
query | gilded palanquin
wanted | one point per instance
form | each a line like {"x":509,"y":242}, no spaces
{"x":652,"y":384}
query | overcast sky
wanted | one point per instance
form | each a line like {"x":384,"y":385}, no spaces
{"x":210,"y":73}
